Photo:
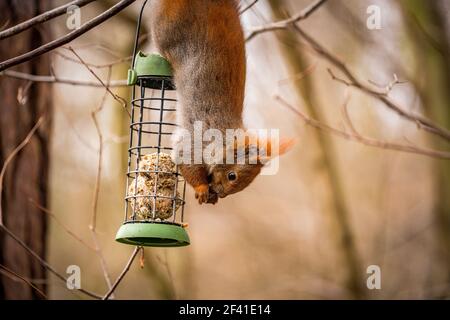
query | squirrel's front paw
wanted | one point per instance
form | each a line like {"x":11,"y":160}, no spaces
{"x":202,"y":193}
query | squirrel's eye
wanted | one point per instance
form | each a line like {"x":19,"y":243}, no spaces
{"x":232,"y":176}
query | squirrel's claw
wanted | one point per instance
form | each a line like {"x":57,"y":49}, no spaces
{"x":202,"y":193}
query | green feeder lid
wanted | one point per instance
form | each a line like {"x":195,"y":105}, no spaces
{"x":153,"y":234}
{"x":151,"y":65}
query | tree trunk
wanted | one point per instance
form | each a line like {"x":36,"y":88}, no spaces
{"x":22,"y":104}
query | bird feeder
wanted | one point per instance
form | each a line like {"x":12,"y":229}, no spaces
{"x":155,"y":193}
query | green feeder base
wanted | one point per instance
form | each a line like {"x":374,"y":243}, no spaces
{"x":152,"y":234}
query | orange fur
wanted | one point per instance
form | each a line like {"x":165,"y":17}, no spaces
{"x":204,"y":42}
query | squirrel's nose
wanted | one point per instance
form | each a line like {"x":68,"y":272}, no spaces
{"x":217,"y":188}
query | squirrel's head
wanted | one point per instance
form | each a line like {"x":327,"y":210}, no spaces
{"x":225,"y":179}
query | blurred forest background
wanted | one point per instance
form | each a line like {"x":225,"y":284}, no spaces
{"x":337,"y":205}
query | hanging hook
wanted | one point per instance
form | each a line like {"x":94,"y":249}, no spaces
{"x":138,"y":29}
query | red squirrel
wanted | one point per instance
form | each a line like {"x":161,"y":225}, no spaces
{"x":204,"y":42}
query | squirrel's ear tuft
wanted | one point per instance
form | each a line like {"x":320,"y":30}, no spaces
{"x":284,"y":145}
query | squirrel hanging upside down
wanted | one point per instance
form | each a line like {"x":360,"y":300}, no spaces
{"x":204,"y":42}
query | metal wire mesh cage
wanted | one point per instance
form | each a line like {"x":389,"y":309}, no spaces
{"x":155,"y":193}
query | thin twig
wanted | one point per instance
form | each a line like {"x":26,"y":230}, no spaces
{"x":388,"y":88}
{"x":48,"y":15}
{"x":355,"y":136}
{"x":116,"y":97}
{"x":11,"y":157}
{"x":420,"y":121}
{"x":283,"y":24}
{"x":346,"y":115}
{"x":251,"y":4}
{"x":5,"y":24}
{"x":92,"y":65}
{"x":80,"y":138}
{"x":352,"y":81}
{"x":123,"y":273}
{"x":10,"y":233}
{"x":68,"y":37}
{"x":299,"y":76}
{"x":43,"y":262}
{"x":9,"y":273}
{"x":93,"y":224}
{"x":100,"y":155}
{"x":22,"y":93}
{"x":57,"y":80}
{"x":53,"y":216}
{"x":96,"y":45}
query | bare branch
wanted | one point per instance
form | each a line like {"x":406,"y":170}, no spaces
{"x":5,"y":229}
{"x":251,"y":4}
{"x":92,"y":65}
{"x":299,"y":76}
{"x":119,"y":99}
{"x":57,"y":80}
{"x":5,"y":24}
{"x":122,"y":275}
{"x":345,"y":82}
{"x":11,"y":274}
{"x":283,"y":24}
{"x":11,"y":157}
{"x":43,"y":262}
{"x":100,"y":155}
{"x":346,"y":116}
{"x":42,"y":18}
{"x":68,"y":37}
{"x":355,"y":136}
{"x":352,"y":81}
{"x":388,"y":88}
{"x":95,"y":45}
{"x":53,"y":216}
{"x":93,"y":224}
